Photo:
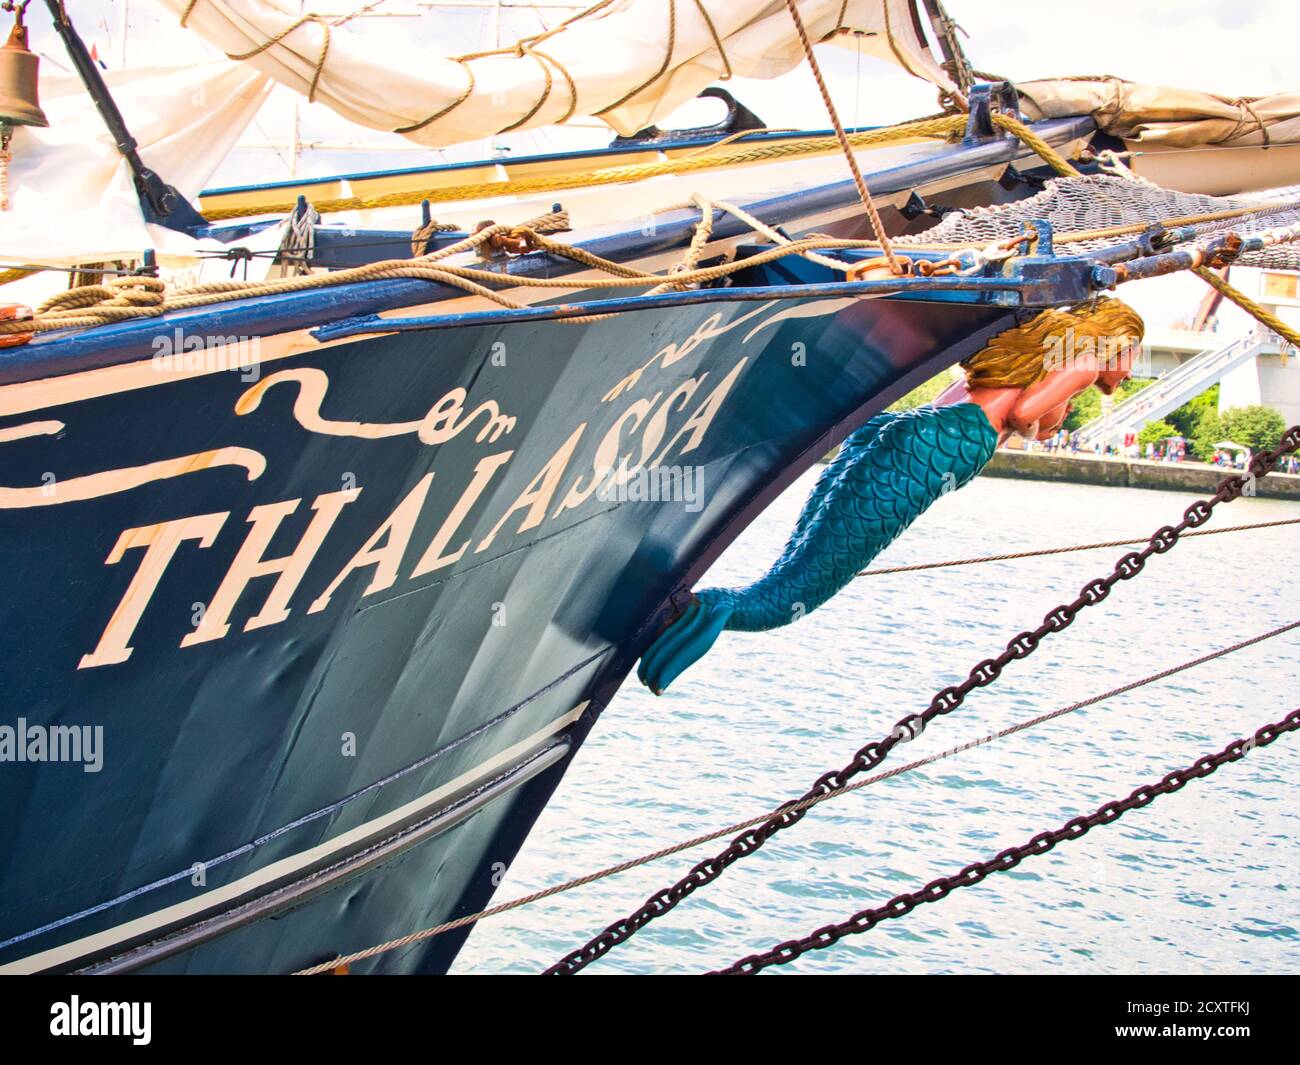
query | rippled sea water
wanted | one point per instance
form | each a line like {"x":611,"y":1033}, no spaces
{"x":1204,"y":880}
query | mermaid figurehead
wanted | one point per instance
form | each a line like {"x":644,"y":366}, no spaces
{"x":887,"y":473}
{"x":1024,"y":378}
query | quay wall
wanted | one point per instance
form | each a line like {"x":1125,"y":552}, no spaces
{"x":1130,"y":473}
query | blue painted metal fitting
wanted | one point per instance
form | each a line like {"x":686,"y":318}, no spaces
{"x":984,"y":99}
{"x":1104,"y":277}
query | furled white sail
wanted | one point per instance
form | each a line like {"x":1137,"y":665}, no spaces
{"x":630,"y":62}
{"x":1156,"y":115}
{"x":1182,"y":139}
{"x":73,"y":200}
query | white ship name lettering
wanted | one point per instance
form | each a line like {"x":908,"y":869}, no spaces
{"x":641,"y":429}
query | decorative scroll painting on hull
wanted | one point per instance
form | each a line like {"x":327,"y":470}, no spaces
{"x":647,"y":433}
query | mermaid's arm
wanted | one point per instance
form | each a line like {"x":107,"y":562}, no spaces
{"x":1047,"y":398}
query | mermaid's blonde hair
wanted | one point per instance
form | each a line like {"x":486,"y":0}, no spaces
{"x":1016,"y":357}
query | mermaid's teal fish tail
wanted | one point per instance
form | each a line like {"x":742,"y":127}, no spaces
{"x":685,"y":641}
{"x":884,"y":477}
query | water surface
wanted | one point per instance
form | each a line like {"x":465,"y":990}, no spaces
{"x":1204,"y":880}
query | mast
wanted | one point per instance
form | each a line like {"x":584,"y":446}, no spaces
{"x":955,"y":61}
{"x":160,"y":203}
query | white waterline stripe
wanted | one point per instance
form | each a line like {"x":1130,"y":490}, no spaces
{"x":79,"y":948}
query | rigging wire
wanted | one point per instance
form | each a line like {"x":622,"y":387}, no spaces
{"x":1066,"y":550}
{"x":363,"y":10}
{"x":873,"y":215}
{"x":976,"y":872}
{"x":731,"y":830}
{"x":857,"y":83}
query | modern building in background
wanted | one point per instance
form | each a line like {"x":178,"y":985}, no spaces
{"x":1220,"y":345}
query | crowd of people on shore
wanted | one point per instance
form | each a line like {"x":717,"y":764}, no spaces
{"x":1173,"y":449}
{"x":1064,"y":442}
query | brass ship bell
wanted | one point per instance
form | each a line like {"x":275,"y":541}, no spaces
{"x":19,"y":103}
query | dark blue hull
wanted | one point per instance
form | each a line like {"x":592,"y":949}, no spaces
{"x":351,"y":743}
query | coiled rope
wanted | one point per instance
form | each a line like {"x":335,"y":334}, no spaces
{"x":141,"y":297}
{"x":134,"y":297}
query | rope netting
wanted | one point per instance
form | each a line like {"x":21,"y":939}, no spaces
{"x":1095,"y":211}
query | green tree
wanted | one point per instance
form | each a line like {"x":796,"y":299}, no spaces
{"x":1087,"y":405}
{"x":1083,"y":408}
{"x":1257,"y":427}
{"x":926,"y":392}
{"x":1207,"y":432}
{"x":1155,"y":433}
{"x":1190,"y":413}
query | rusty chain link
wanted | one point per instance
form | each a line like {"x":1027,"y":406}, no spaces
{"x":902,"y":905}
{"x":908,"y":728}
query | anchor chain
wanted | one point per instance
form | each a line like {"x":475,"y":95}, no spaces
{"x":944,"y":702}
{"x":941,"y":888}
